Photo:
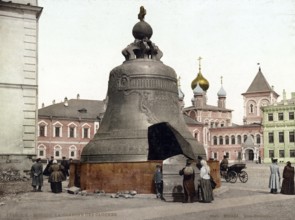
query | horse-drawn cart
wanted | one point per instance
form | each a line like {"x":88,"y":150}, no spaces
{"x":234,"y":171}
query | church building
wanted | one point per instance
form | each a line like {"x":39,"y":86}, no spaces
{"x":219,"y":134}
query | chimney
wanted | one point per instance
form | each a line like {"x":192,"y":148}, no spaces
{"x":53,"y":101}
{"x":43,"y":105}
{"x":66,"y":102}
{"x":78,"y":96}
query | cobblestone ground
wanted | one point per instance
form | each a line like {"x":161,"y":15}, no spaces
{"x":250,"y":200}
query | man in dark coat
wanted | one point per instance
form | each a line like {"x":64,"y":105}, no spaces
{"x":158,"y":179}
{"x":66,"y":166}
{"x":46,"y":172}
{"x":37,"y":175}
{"x":288,"y":180}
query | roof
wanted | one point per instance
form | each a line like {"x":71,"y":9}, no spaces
{"x":76,"y":108}
{"x":207,"y":108}
{"x":259,"y":84}
{"x":189,"y":120}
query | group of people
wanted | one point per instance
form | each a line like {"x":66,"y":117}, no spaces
{"x":205,"y":191}
{"x":275,"y":178}
{"x":56,"y":172}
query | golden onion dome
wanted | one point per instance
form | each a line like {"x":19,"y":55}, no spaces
{"x":200,"y":79}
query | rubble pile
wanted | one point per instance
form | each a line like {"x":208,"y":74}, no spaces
{"x":11,"y":175}
{"x":124,"y":194}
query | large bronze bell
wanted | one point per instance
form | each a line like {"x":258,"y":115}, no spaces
{"x":143,"y":120}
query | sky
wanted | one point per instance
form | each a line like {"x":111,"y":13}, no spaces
{"x":80,"y":42}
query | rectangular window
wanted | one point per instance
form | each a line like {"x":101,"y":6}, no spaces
{"x":292,"y":153}
{"x":215,"y":155}
{"x":72,"y":132}
{"x":41,"y":153}
{"x":72,"y":153}
{"x":85,"y":132}
{"x":281,"y":116}
{"x":281,"y":137}
{"x":239,"y":155}
{"x":270,"y":117}
{"x":282,"y":153}
{"x":291,"y":115}
{"x":258,"y":140}
{"x":271,"y":153}
{"x":291,"y":136}
{"x":57,"y":153}
{"x":270,"y":137}
{"x":57,"y":131}
{"x":42,"y":131}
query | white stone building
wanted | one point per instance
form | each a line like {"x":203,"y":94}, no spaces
{"x":18,"y":81}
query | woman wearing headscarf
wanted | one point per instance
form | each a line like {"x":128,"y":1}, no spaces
{"x":288,"y":180}
{"x":56,"y":177}
{"x":188,"y":174}
{"x":206,"y":192}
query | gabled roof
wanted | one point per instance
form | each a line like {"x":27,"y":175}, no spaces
{"x":75,"y":108}
{"x":259,"y":84}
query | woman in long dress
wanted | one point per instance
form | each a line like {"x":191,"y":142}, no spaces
{"x":188,"y":174}
{"x":56,"y":177}
{"x":288,"y":180}
{"x":206,"y":192}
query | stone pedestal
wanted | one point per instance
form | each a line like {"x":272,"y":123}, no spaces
{"x":115,"y":176}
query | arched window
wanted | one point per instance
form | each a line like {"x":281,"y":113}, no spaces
{"x":41,"y":151}
{"x":72,"y":130}
{"x":57,"y":129}
{"x":86,"y":130}
{"x":251,"y":108}
{"x":214,"y":140}
{"x":220,"y":140}
{"x":233,"y":139}
{"x":57,"y":151}
{"x":226,"y":139}
{"x":42,"y":129}
{"x":73,"y":152}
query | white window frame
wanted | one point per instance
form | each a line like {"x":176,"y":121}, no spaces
{"x":72,"y":125}
{"x":86,"y":125}
{"x":39,"y":148}
{"x":73,"y":148}
{"x":57,"y":148}
{"x":42,"y":123}
{"x":57,"y":124}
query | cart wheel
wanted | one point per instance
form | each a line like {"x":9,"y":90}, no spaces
{"x":227,"y":177}
{"x":243,"y":176}
{"x":233,"y":176}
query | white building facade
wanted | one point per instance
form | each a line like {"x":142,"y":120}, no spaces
{"x":18,"y":81}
